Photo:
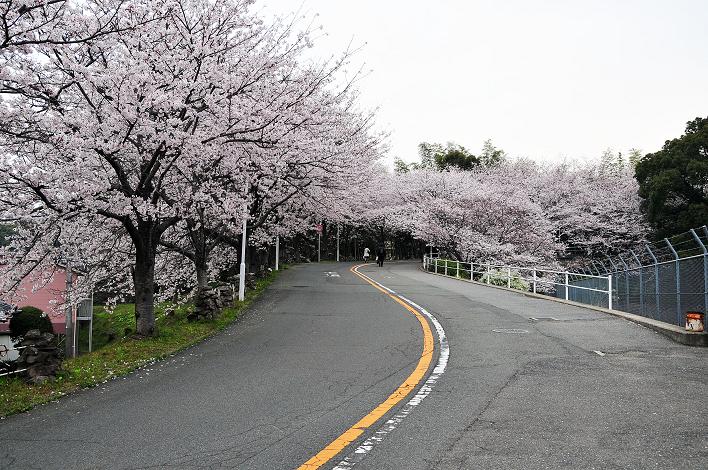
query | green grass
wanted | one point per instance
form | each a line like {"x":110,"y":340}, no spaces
{"x":123,"y":354}
{"x":109,"y":326}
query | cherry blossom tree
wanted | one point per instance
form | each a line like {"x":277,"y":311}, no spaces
{"x":516,"y":212}
{"x":180,"y":124}
{"x":594,"y":211}
{"x":480,"y":215}
{"x":290,"y":184}
{"x":28,"y":23}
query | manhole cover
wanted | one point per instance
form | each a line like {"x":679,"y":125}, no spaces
{"x":512,"y":331}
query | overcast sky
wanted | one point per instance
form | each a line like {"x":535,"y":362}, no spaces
{"x":547,"y":79}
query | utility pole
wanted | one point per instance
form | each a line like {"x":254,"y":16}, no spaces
{"x":242,"y":267}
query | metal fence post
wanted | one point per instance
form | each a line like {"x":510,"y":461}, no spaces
{"x":641,"y":282}
{"x":458,"y":269}
{"x":705,"y":267}
{"x":599,"y":272}
{"x":534,"y":281}
{"x":614,"y":269}
{"x":488,"y":273}
{"x":508,"y":278}
{"x":471,"y":271}
{"x":656,"y":282}
{"x":566,"y":285}
{"x":609,"y":291}
{"x":436,"y":265}
{"x":678,"y":281}
{"x":626,"y":281}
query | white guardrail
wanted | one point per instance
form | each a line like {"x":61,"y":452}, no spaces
{"x":571,"y":286}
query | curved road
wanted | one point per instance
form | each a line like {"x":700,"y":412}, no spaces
{"x":323,"y":348}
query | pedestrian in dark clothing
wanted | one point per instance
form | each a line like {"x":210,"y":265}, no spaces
{"x":381,"y":254}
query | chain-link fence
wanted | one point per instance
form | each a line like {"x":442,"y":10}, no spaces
{"x":662,"y":280}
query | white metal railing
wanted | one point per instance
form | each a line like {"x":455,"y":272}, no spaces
{"x":536,"y":279}
{"x":12,"y":372}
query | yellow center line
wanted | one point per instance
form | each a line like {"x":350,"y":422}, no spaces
{"x":351,"y":434}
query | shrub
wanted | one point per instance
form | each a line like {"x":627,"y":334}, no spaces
{"x":499,"y":278}
{"x":28,"y":318}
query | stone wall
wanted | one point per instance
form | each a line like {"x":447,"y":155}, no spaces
{"x":39,"y":355}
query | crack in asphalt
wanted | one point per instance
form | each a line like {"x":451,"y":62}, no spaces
{"x":511,"y":379}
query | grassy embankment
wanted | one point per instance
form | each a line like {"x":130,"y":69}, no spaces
{"x":115,"y":355}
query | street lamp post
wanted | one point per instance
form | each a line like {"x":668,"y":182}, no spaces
{"x":242,"y":266}
{"x":337,"y":242}
{"x":277,"y":252}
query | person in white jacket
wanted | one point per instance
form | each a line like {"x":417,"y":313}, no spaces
{"x":366,"y":254}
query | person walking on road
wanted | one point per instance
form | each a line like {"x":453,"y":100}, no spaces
{"x":381,"y":254}
{"x":367,"y":254}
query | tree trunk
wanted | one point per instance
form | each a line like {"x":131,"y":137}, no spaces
{"x":144,"y":285}
{"x":202,"y":250}
{"x":200,"y":265}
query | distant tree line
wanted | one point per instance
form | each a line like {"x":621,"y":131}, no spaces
{"x":672,"y":182}
{"x":451,"y":156}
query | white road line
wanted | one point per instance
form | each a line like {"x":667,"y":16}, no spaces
{"x":363,"y":450}
{"x":599,"y":353}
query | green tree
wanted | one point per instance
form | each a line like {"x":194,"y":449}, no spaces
{"x":635,"y":155}
{"x":673,"y":182}
{"x":427,"y":153}
{"x":443,"y":158}
{"x":612,"y":163}
{"x":399,"y":166}
{"x":491,"y":156}
{"x":452,"y":155}
{"x":456,"y":156}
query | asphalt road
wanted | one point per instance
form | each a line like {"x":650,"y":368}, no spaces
{"x":322,"y":348}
